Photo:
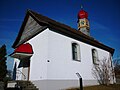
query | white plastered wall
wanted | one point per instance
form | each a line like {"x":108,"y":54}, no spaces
{"x":57,"y":49}
{"x":38,"y":63}
{"x":61,"y":65}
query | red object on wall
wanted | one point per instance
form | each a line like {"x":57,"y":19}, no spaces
{"x":24,"y":48}
{"x":82,"y":14}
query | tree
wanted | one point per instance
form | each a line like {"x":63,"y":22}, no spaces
{"x":117,"y":69}
{"x":103,"y":72}
{"x":3,"y":66}
{"x":116,"y":63}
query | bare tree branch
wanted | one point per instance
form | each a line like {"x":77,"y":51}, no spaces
{"x":103,"y":71}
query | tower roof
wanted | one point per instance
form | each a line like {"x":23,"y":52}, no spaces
{"x":82,"y":14}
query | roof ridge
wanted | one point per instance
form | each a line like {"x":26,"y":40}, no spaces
{"x":54,"y":22}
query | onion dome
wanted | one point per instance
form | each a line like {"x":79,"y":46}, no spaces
{"x":82,"y":14}
{"x":24,"y":48}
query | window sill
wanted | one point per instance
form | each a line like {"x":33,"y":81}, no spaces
{"x":76,"y":60}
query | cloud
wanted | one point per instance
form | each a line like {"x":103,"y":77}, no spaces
{"x":98,"y":26}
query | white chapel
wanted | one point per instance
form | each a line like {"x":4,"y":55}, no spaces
{"x":49,"y":53}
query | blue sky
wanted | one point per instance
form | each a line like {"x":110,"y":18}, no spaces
{"x":104,"y":17}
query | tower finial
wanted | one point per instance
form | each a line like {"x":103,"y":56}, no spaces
{"x":81,"y":6}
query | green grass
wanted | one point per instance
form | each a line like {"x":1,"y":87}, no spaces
{"x":100,"y":87}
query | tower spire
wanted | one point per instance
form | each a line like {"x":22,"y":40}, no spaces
{"x":81,"y":6}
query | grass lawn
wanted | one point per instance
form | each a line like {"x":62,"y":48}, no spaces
{"x":100,"y":87}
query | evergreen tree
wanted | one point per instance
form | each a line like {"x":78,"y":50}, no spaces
{"x":3,"y":66}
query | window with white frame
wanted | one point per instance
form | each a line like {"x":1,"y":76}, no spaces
{"x":75,"y":51}
{"x":95,"y":56}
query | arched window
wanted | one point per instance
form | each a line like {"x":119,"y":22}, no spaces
{"x":75,"y":51}
{"x":95,"y":56}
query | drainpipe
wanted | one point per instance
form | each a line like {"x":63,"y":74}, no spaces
{"x":80,"y":81}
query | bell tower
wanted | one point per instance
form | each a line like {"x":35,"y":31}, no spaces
{"x":83,"y":23}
